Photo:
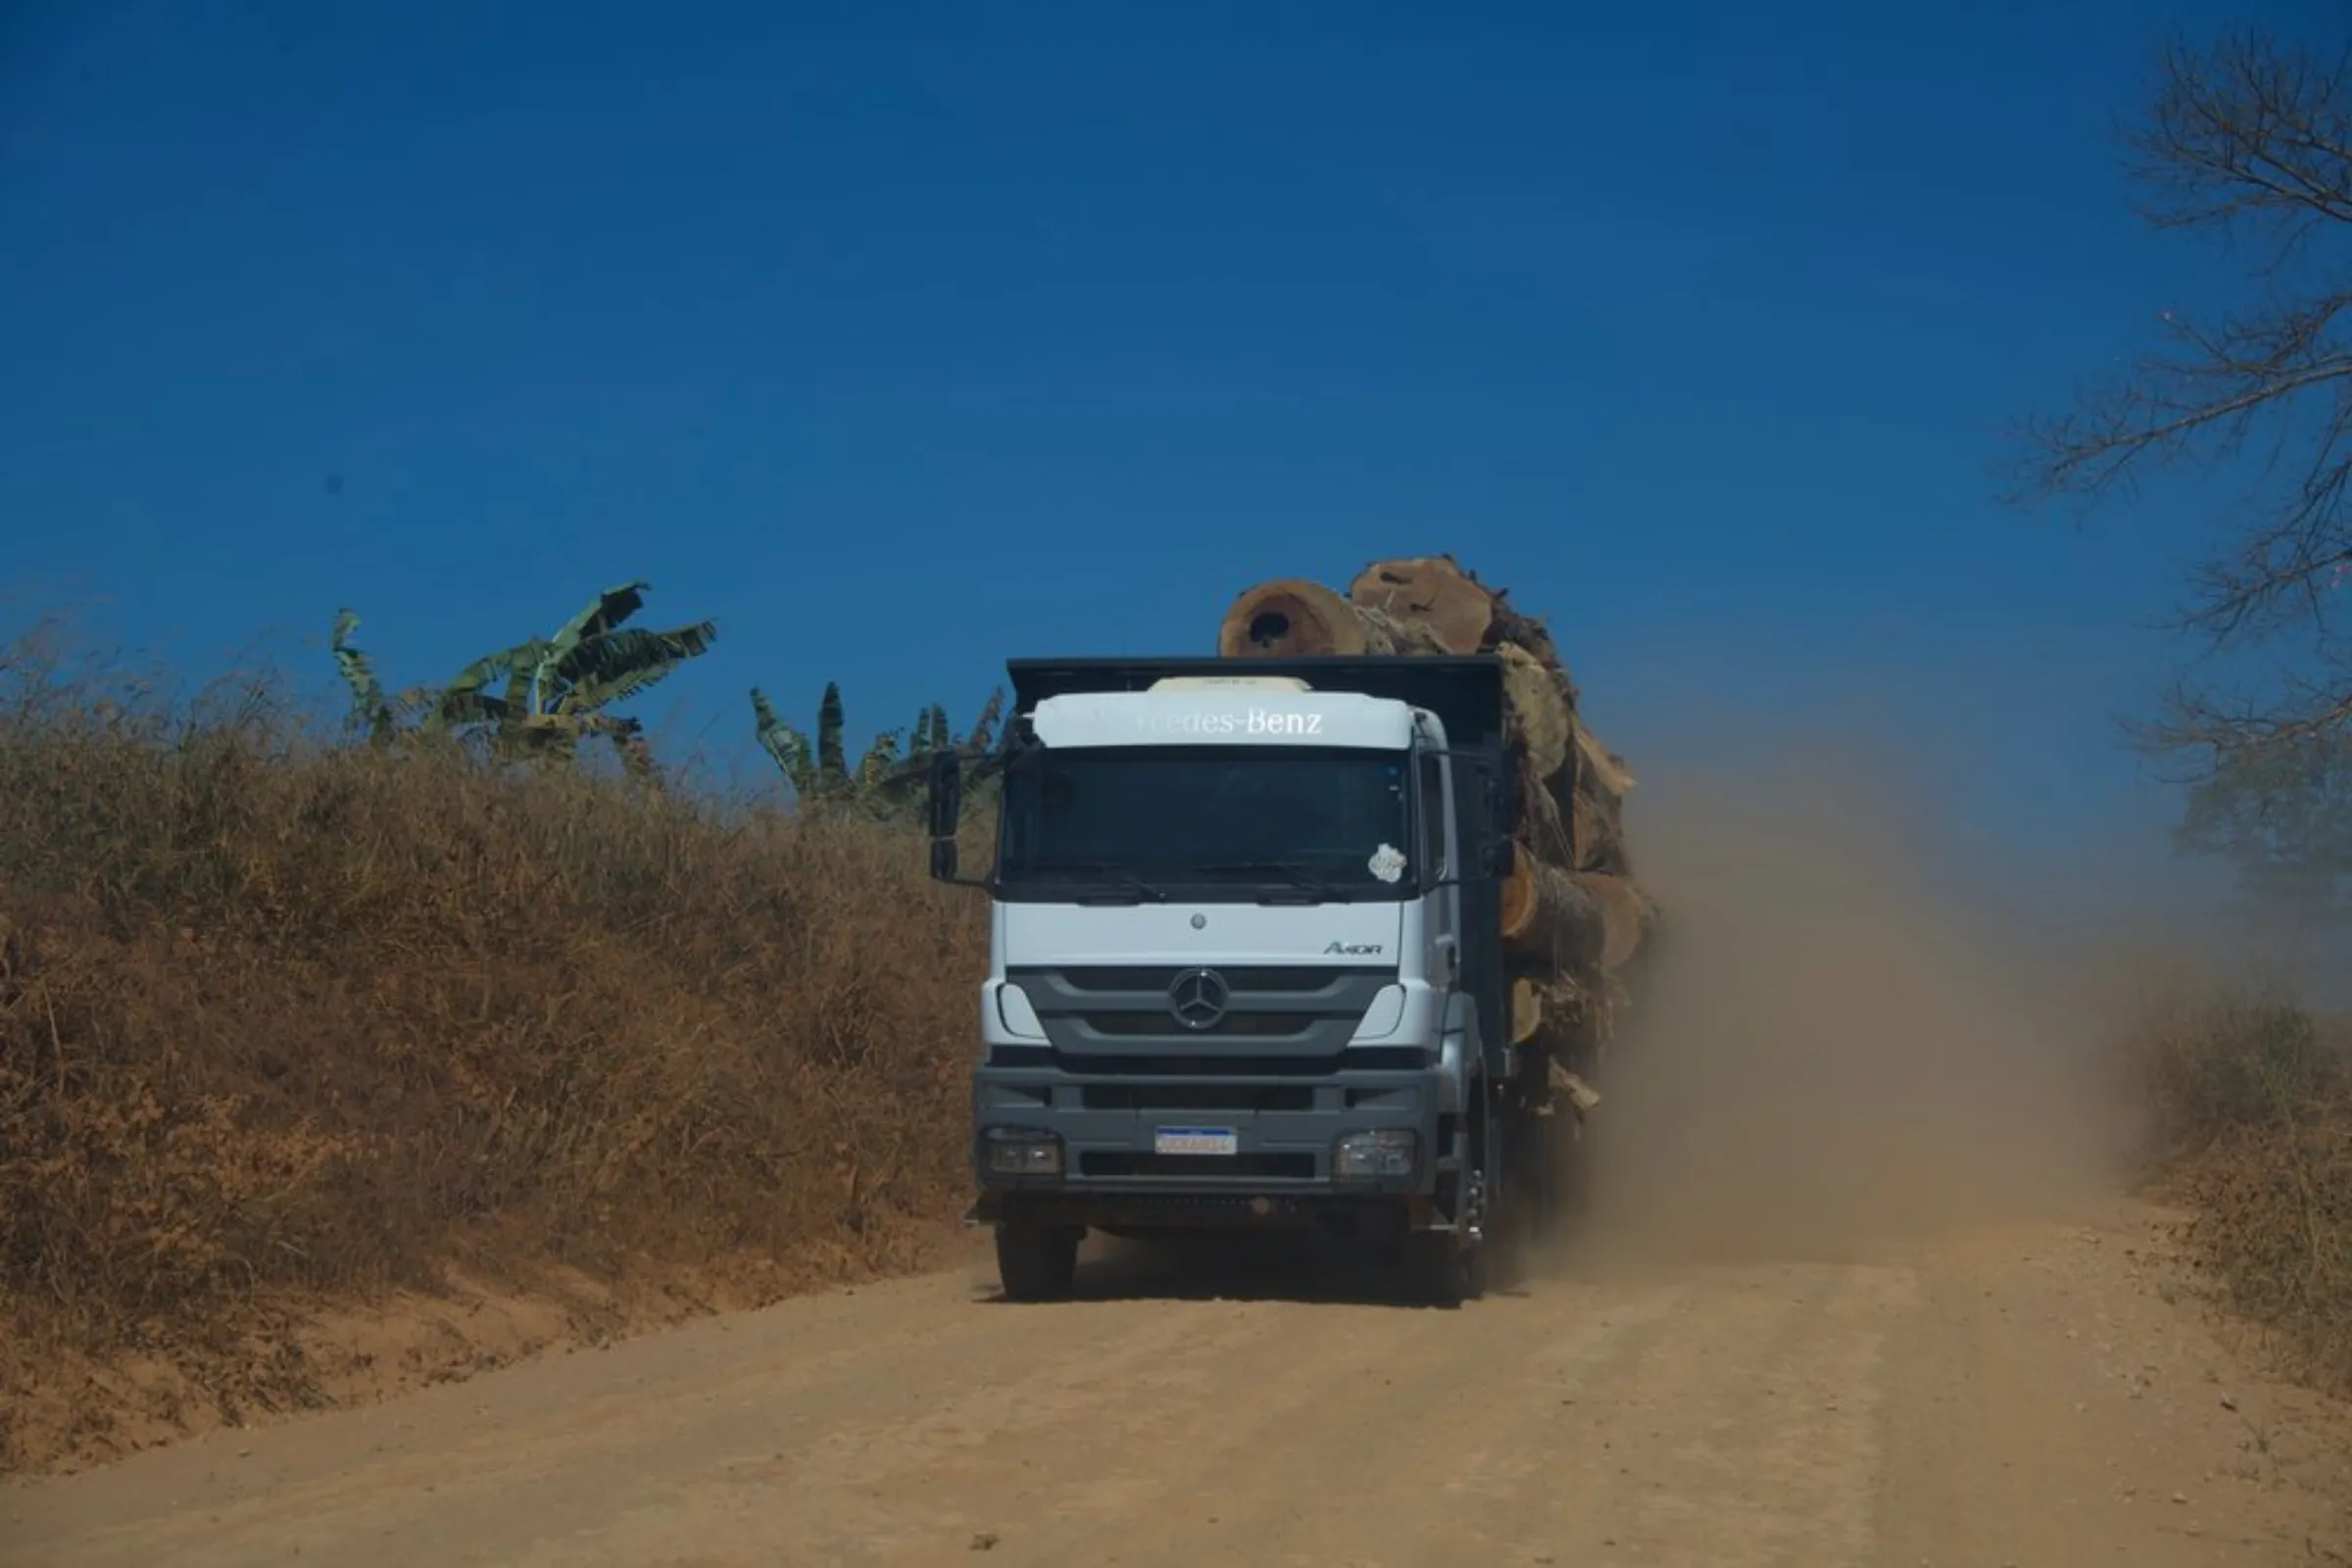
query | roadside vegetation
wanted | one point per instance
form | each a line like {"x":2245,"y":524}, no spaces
{"x":2243,"y":147}
{"x":292,"y":1020}
{"x":2250,"y":1105}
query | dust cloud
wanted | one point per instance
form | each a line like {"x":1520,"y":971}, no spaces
{"x":1858,"y":1024}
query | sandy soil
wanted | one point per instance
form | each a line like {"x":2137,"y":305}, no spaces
{"x":2026,"y":1393}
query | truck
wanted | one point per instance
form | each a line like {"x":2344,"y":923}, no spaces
{"x":1245,"y":961}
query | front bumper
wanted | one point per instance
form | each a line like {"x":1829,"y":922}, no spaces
{"x":1282,"y":1166}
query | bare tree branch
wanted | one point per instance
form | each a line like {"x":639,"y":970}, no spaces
{"x":2251,"y":138}
{"x":2200,"y":720}
{"x":2249,"y":130}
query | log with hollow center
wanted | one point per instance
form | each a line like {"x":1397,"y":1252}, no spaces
{"x":1291,"y":616}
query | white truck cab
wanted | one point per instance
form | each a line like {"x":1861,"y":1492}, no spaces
{"x":1242,"y":962}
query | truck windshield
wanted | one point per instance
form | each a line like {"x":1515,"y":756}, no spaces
{"x":1211,"y":821}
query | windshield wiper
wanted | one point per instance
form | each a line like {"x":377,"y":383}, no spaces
{"x":1128,"y":882}
{"x":1296,"y":872}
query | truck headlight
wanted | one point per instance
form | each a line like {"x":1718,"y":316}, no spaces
{"x":1021,"y":1151}
{"x":1382,"y":1152}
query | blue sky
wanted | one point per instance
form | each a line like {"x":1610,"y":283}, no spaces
{"x":904,"y":338}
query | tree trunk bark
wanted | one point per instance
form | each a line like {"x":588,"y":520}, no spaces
{"x":1625,"y":914}
{"x":1599,"y":836}
{"x":1516,"y":891}
{"x":1465,"y":615}
{"x":1569,"y":924}
{"x":1542,"y":711}
{"x":1604,"y":767}
{"x":1548,"y":919}
{"x":1543,"y":827}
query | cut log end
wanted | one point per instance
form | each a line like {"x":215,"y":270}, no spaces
{"x":1625,"y":915}
{"x":1518,"y":892}
{"x":1541,"y":710}
{"x":1575,"y":922}
{"x":1598,"y":829}
{"x":1556,"y":923}
{"x":1435,"y":591}
{"x":1464,"y":614}
{"x":1527,"y":1011}
{"x":1604,"y":766}
{"x":1293,"y":618}
{"x":1542,"y":827}
{"x":1290,"y":615}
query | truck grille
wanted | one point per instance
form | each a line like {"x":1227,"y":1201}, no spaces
{"x":1129,"y":1009}
{"x":1248,"y":1025}
{"x":1198,"y":1096}
{"x":1156,"y":979}
{"x":1191,"y":1167}
{"x":1362,"y":1058}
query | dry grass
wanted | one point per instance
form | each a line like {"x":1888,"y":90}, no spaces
{"x":2252,"y":1117}
{"x":286,"y":1026}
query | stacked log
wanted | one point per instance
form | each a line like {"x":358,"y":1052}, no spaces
{"x":1572,"y":914}
{"x":1291,"y":617}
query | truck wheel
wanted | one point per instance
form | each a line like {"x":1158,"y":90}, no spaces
{"x":1440,"y":1270}
{"x":1037,"y":1262}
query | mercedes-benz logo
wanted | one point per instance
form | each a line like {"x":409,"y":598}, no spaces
{"x":1197,"y":999}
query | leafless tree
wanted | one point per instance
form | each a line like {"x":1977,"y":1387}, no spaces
{"x":2249,"y":138}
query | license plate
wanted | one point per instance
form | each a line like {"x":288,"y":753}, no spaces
{"x":1195,"y":1140}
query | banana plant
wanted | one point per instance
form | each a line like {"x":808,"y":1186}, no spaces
{"x":370,"y":708}
{"x":888,"y":779}
{"x":814,"y":773}
{"x":538,"y":698}
{"x":591,"y":662}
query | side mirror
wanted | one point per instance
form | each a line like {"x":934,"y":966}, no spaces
{"x":946,"y":803}
{"x":946,"y":810}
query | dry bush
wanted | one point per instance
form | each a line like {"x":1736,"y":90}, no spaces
{"x":284,"y":1024}
{"x":2251,"y":1100}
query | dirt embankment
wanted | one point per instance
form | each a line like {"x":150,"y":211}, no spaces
{"x":285,"y":1030}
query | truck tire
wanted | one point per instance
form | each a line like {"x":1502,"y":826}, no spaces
{"x":1440,"y":1271}
{"x":1037,"y":1262}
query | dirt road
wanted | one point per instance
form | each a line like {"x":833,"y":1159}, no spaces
{"x":2022,"y":1394}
